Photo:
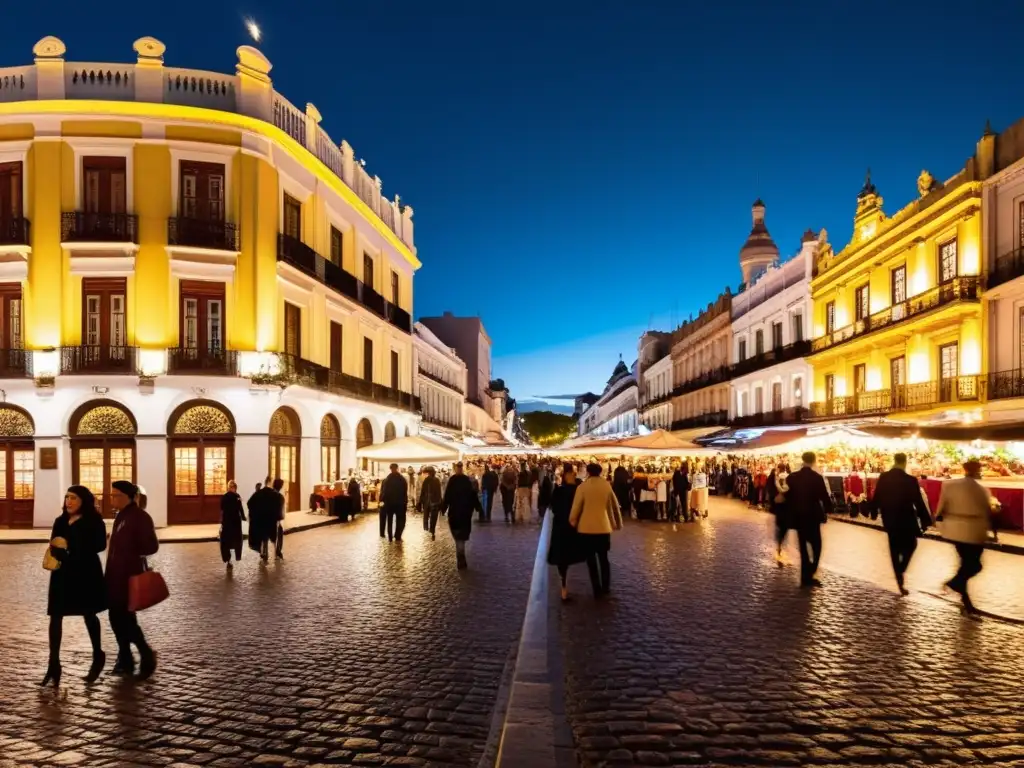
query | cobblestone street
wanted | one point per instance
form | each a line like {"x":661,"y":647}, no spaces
{"x":352,"y":651}
{"x":707,"y":654}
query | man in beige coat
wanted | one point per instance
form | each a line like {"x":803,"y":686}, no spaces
{"x":595,"y":514}
{"x":964,"y":515}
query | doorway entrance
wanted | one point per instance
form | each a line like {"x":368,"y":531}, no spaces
{"x":201,"y":448}
{"x":284,"y":461}
{"x":102,"y":449}
{"x":17,"y":468}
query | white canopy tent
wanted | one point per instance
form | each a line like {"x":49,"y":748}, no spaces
{"x":409,"y":450}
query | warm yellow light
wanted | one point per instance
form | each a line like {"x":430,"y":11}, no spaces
{"x":45,"y":363}
{"x":840,"y":386}
{"x":874,"y":378}
{"x":258,"y":364}
{"x":253,"y":29}
{"x":970,"y":261}
{"x":918,"y":368}
{"x":152,"y":362}
{"x":919,"y":280}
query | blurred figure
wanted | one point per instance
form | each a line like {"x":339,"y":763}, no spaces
{"x":524,"y":495}
{"x":904,"y":515}
{"x":810,"y":504}
{"x":777,"y":487}
{"x":429,"y":502}
{"x":509,"y":479}
{"x":460,"y":501}
{"x":965,"y":516}
{"x":394,"y":498}
{"x":595,"y":515}
{"x":489,"y":483}
{"x":565,"y":548}
{"x":232,"y":515}
{"x":547,"y":487}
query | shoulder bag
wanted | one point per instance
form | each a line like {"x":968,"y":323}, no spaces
{"x":146,"y":589}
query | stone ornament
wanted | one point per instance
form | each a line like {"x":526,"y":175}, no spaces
{"x":49,"y":47}
{"x":925,"y":183}
{"x":149,"y":49}
{"x":253,"y":63}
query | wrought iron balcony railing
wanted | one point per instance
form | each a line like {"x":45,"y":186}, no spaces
{"x":202,"y":233}
{"x":772,"y":357}
{"x":296,"y":370}
{"x":95,"y":358}
{"x":14,"y":230}
{"x":903,"y":398}
{"x":1007,"y":267}
{"x":796,"y":415}
{"x":706,"y":379}
{"x":83,"y":227}
{"x":713,"y":419}
{"x":15,"y":363}
{"x":203,"y":362}
{"x":966,"y":289}
{"x":441,"y":381}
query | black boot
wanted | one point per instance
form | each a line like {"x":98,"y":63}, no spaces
{"x":125,"y":664}
{"x":99,"y":658}
{"x":53,"y":673}
{"x":147,"y":664}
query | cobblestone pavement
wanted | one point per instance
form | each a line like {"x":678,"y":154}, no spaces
{"x":708,"y":654}
{"x":352,"y":651}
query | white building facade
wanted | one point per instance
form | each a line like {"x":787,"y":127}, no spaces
{"x":656,"y":400}
{"x":615,"y":412}
{"x":770,"y":341}
{"x":440,"y":380}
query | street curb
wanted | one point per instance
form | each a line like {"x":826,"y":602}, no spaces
{"x":1010,"y":549}
{"x":202,"y":539}
{"x":535,"y":733}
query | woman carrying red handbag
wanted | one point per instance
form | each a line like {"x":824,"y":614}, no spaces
{"x":132,"y":539}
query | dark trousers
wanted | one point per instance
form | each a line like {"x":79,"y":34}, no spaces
{"x":430,"y":518}
{"x":488,"y":504}
{"x":901,"y":549}
{"x":279,"y":541}
{"x":508,"y":501}
{"x":92,"y":626}
{"x":226,"y":548}
{"x":970,"y":566}
{"x":127,"y":631}
{"x":393,"y":520}
{"x":600,"y":573}
{"x":810,"y":551}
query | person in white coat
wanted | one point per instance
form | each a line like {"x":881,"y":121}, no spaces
{"x":661,"y":498}
{"x":964,"y":515}
{"x":699,"y":493}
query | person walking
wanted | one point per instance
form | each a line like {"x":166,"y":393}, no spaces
{"x":776,"y":488}
{"x":699,"y":494}
{"x":681,"y":493}
{"x":964,"y":515}
{"x":277,"y":518}
{"x":661,"y":498}
{"x":429,"y":502}
{"x":489,"y":482}
{"x":264,"y":508}
{"x":509,"y":478}
{"x":524,"y":494}
{"x":232,"y":515}
{"x":394,"y":498}
{"x":904,"y":516}
{"x":132,"y":540}
{"x":76,"y":578}
{"x":595,"y":514}
{"x":565,"y":548}
{"x":810,"y":504}
{"x":544,"y":492}
{"x":460,"y":501}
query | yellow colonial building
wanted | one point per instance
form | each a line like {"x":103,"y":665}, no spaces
{"x":197,"y":284}
{"x":898,"y":321}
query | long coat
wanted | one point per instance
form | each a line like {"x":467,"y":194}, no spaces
{"x":77,"y":587}
{"x":132,"y":539}
{"x":809,"y":500}
{"x":777,"y":487}
{"x":231,"y":517}
{"x":566,"y":547}
{"x":460,"y":502}
{"x":898,"y":499}
{"x":266,"y":510}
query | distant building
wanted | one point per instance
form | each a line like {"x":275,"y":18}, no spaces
{"x":615,"y":412}
{"x":440,"y":380}
{"x":583,"y":402}
{"x":466,"y":335}
{"x":654,"y":379}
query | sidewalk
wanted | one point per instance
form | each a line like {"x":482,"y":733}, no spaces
{"x":176,"y":534}
{"x":1011,"y":542}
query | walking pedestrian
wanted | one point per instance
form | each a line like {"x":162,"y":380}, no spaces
{"x":394,"y":498}
{"x":76,"y":578}
{"x":231,"y":517}
{"x":776,"y":487}
{"x":509,"y":478}
{"x":429,"y":502}
{"x":524,"y":494}
{"x":263,"y":510}
{"x":132,"y":540}
{"x":661,"y":498}
{"x":699,"y":493}
{"x":547,"y":487}
{"x":565,"y":548}
{"x":965,"y":517}
{"x":681,"y":493}
{"x":277,"y":518}
{"x":595,"y":514}
{"x":810,"y":504}
{"x":904,"y":516}
{"x":460,"y":501}
{"x":489,"y":482}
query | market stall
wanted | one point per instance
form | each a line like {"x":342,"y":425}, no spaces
{"x":415,"y":450}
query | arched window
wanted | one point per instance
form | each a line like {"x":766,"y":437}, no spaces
{"x":201,"y":447}
{"x":17,"y":467}
{"x":102,"y":448}
{"x":364,"y":434}
{"x":330,"y":449}
{"x":389,"y":432}
{"x":285,"y":442}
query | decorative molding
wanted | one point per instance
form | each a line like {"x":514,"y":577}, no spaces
{"x":103,"y":266}
{"x":200,"y":269}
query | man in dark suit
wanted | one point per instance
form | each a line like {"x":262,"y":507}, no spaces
{"x":489,"y":482}
{"x":904,"y":514}
{"x":810,"y":504}
{"x":394,"y":498}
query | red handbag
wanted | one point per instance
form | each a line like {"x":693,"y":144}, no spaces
{"x":146,"y":589}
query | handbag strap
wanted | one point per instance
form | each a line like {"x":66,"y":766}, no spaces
{"x":145,"y":564}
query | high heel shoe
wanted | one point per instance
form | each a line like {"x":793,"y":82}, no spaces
{"x":53,"y":673}
{"x":99,"y":659}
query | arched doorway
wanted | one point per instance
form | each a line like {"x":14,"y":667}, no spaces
{"x":17,"y":468}
{"x":102,"y":448}
{"x":330,"y":449}
{"x":285,"y":446}
{"x":201,"y":460}
{"x":389,"y":432}
{"x":364,"y":437}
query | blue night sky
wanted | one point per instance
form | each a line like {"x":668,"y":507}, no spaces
{"x":582,"y":170}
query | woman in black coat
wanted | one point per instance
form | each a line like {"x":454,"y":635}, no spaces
{"x":459,"y":503}
{"x":565,"y":548}
{"x":77,"y":587}
{"x":232,"y":514}
{"x":775,"y":492}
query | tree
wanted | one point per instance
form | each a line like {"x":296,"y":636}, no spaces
{"x":546,"y":428}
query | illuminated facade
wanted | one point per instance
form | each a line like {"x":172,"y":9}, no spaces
{"x":440,"y":381}
{"x":898,"y":322}
{"x":654,"y":374}
{"x":615,"y":412}
{"x":198,"y":284}
{"x":700,"y":367}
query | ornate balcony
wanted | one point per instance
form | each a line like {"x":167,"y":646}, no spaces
{"x":14,"y":230}
{"x":902,"y":399}
{"x":959,"y":289}
{"x":372,"y":300}
{"x":713,"y":419}
{"x":708,"y":378}
{"x":439,"y":380}
{"x":1008,"y":266}
{"x":98,"y":359}
{"x":202,"y":233}
{"x":1004,"y":385}
{"x":202,"y":362}
{"x":82,"y":227}
{"x":15,"y":363}
{"x":772,"y":357}
{"x":437,"y":421}
{"x":777,"y":418}
{"x":296,"y":370}
{"x":399,"y":318}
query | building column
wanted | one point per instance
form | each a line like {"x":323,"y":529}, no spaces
{"x":151,"y":473}
{"x":309,"y":471}
{"x":50,"y":483}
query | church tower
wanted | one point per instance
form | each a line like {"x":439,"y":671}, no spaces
{"x":760,"y":251}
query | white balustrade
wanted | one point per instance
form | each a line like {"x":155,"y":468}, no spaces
{"x":109,"y":82}
{"x":17,"y":84}
{"x":197,"y":88}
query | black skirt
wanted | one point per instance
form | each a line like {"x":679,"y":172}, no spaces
{"x":566,"y":548}
{"x":593,"y":543}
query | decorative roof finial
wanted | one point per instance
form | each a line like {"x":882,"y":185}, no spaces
{"x":988,"y":129}
{"x":868,"y":188}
